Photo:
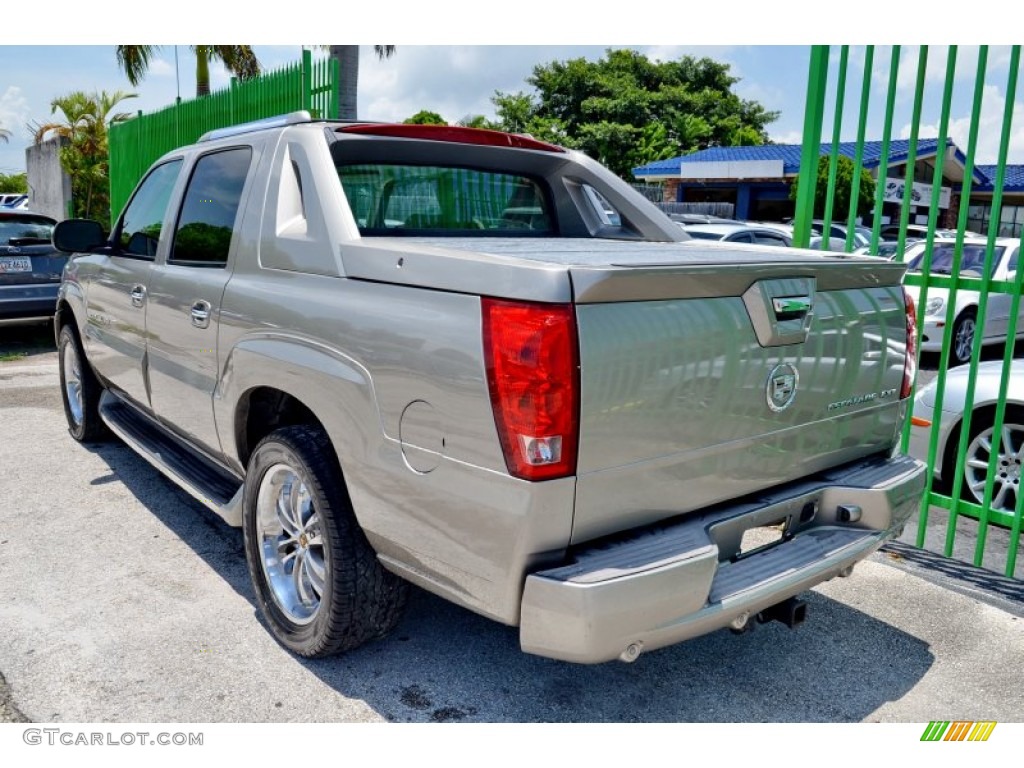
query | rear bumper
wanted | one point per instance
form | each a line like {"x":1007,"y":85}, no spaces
{"x":663,"y":584}
{"x":24,"y":301}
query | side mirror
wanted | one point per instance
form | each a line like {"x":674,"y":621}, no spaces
{"x":78,"y":236}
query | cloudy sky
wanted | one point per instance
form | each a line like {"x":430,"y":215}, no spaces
{"x":458,"y":80}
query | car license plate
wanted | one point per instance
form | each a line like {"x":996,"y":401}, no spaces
{"x":10,"y":264}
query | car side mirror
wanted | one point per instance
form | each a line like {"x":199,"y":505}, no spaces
{"x":78,"y":236}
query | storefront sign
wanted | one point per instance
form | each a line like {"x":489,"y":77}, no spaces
{"x":921,"y":194}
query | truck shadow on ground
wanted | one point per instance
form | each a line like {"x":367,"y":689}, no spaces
{"x":446,"y":664}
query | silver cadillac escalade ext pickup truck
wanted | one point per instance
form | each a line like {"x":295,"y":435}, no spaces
{"x":483,"y":364}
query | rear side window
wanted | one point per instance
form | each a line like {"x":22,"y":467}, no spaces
{"x":207,"y":219}
{"x":766,"y":238}
{"x":144,"y":217}
{"x":437,"y":200}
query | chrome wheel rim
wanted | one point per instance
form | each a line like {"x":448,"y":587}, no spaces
{"x":292,"y":551}
{"x":1010,"y":453}
{"x":73,"y":383}
{"x":964,"y":340}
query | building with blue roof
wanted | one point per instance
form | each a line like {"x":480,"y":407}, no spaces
{"x":757,"y":180}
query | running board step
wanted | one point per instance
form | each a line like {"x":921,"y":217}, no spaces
{"x":213,"y":487}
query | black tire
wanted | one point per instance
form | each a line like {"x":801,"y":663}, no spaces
{"x":358,"y":599}
{"x":80,"y":390}
{"x":965,"y":336}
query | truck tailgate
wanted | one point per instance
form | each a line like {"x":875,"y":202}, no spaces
{"x":702,"y":384}
{"x":708,"y":371}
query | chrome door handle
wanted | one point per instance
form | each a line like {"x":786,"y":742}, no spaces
{"x":138,"y":295}
{"x":201,"y":314}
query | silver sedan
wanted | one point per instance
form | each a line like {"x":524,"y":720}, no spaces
{"x":982,"y":443}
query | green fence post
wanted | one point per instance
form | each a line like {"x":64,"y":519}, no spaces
{"x":915,"y":122}
{"x":858,"y":156}
{"x":307,"y":79}
{"x":335,"y":79}
{"x":833,"y":161}
{"x":813,"y":113}
{"x":954,"y":287}
{"x":993,"y":232}
{"x":883,"y":158}
{"x":924,"y":281}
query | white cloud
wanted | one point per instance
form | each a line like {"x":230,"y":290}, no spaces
{"x":160,"y":68}
{"x":990,"y":129}
{"x":14,"y":112}
{"x":787,"y":137}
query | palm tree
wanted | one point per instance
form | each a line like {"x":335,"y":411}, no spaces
{"x":5,"y":135}
{"x":85,"y":123}
{"x":240,"y":61}
{"x":348,"y":79}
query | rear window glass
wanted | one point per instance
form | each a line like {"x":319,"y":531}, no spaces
{"x":701,"y":235}
{"x":437,"y":200}
{"x":973,"y":259}
{"x":25,"y":229}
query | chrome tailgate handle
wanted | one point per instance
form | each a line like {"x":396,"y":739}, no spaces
{"x":791,"y":307}
{"x":201,"y":314}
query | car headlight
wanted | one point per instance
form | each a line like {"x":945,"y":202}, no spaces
{"x":935,"y":305}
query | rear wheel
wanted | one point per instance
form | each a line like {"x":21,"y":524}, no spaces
{"x":80,"y":390}
{"x":964,"y":331}
{"x":317,"y":579}
{"x":1009,"y":450}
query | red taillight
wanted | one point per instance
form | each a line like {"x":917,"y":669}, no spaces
{"x":910,"y":366}
{"x":533,"y":375}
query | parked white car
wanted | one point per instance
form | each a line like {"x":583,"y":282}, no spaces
{"x":1009,"y":447}
{"x":932,"y":317}
{"x":14,"y":200}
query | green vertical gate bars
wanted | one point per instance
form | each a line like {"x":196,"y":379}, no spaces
{"x":858,"y":157}
{"x":808,"y":181}
{"x":954,"y":287}
{"x":993,"y":231}
{"x":924,"y":279}
{"x":1010,"y":516}
{"x":1011,"y":332}
{"x":915,"y":123}
{"x":136,"y":143}
{"x":883,"y":158}
{"x":833,"y":160}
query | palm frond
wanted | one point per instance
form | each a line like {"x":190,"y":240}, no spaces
{"x":240,"y":60}
{"x":134,"y":60}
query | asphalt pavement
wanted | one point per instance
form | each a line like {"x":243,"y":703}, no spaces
{"x":123,"y":600}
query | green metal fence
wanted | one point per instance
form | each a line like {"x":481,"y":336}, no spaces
{"x":136,"y":143}
{"x":1005,"y":427}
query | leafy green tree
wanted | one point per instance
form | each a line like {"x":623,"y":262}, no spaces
{"x":199,"y":241}
{"x":348,"y":75}
{"x":626,"y":110}
{"x":15,"y":182}
{"x":84,"y":157}
{"x":239,"y":60}
{"x":844,"y":183}
{"x":476,"y":121}
{"x":425,"y":117}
